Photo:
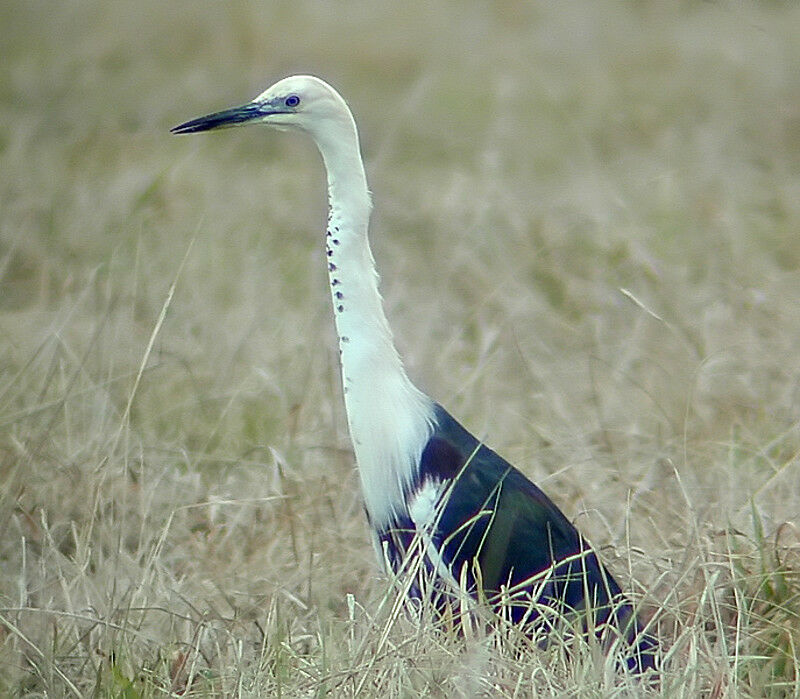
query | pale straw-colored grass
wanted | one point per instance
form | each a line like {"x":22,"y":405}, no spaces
{"x":587,"y":220}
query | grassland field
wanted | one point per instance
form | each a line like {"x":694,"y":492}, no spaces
{"x":587,"y":223}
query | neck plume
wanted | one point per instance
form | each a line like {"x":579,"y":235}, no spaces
{"x":389,"y":418}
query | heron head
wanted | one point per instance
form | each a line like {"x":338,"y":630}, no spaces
{"x":299,"y":102}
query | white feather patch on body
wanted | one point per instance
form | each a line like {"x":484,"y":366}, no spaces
{"x":424,"y":508}
{"x":423,"y":505}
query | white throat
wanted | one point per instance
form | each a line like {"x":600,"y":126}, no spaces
{"x":390,"y":420}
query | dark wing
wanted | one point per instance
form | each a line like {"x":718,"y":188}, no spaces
{"x":524,"y":547}
{"x":497,"y":517}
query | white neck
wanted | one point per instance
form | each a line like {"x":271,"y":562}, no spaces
{"x":390,"y":419}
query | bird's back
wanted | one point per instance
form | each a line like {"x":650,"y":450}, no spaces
{"x":502,"y":538}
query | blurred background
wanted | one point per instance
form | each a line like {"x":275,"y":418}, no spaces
{"x":586,"y":222}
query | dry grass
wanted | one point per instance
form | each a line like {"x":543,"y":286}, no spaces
{"x":587,"y":222}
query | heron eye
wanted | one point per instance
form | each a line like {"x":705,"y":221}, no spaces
{"x":292,"y":101}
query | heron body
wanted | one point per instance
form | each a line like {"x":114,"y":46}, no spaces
{"x":444,"y":509}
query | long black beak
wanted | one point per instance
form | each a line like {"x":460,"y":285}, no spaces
{"x":223,"y":120}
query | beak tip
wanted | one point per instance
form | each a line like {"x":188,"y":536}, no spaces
{"x":188,"y":127}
